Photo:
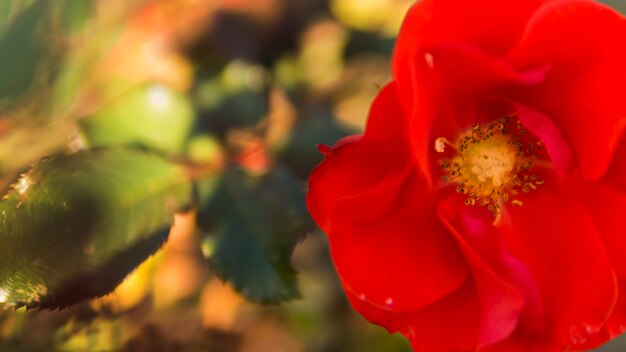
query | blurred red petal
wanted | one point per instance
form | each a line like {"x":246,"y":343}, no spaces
{"x":616,"y":175}
{"x":583,"y":91}
{"x":500,"y":301}
{"x":615,"y":326}
{"x":607,"y":207}
{"x":358,"y":164}
{"x":374,"y":209}
{"x":453,"y":84}
{"x":549,"y":134}
{"x":446,"y":325}
{"x":557,"y":240}
{"x":431,"y":22}
{"x":496,"y":29}
{"x":389,"y":248}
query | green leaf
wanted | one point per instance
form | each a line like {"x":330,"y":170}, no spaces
{"x":239,"y":97}
{"x":22,"y":50}
{"x":10,"y":8}
{"x":5,"y":12}
{"x":317,"y":127}
{"x":257,"y":221}
{"x":363,"y":42}
{"x":72,"y":227}
{"x":245,"y":108}
{"x":153,"y":116}
{"x":75,"y":14}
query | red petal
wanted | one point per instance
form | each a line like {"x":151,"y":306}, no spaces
{"x":500,"y":300}
{"x":521,"y":343}
{"x":616,"y":176}
{"x":385,"y":241}
{"x":614,"y":327}
{"x":495,"y":27}
{"x":557,"y":240}
{"x":583,"y":92}
{"x":324,"y":149}
{"x":452,"y":87}
{"x":356,"y":165}
{"x":390,"y":250}
{"x":549,"y":134}
{"x":449,"y":324}
{"x":386,"y":122}
{"x":608,"y":207}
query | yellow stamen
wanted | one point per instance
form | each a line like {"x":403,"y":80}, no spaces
{"x":491,"y":165}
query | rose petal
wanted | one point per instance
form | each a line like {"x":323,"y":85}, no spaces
{"x":583,"y":91}
{"x":616,"y":175}
{"x":614,"y":327}
{"x":356,"y":165}
{"x":495,"y":31}
{"x":386,"y":121}
{"x":519,"y":342}
{"x":557,"y":240}
{"x":500,"y":300}
{"x":431,"y":22}
{"x":375,"y":212}
{"x":542,"y":127}
{"x":607,"y":208}
{"x":446,"y":325}
{"x":390,"y":250}
{"x":452,"y":88}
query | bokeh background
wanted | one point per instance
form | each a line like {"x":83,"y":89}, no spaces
{"x":254,"y":84}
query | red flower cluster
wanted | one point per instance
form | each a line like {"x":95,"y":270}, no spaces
{"x":484,"y":207}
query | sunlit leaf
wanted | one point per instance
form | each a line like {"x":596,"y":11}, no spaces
{"x":153,"y":116}
{"x":72,"y":227}
{"x":257,"y":221}
{"x":205,"y":149}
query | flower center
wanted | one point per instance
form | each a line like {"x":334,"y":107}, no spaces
{"x":491,"y":165}
{"x":490,"y":162}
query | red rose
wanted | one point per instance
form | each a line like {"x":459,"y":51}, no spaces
{"x":483,"y":207}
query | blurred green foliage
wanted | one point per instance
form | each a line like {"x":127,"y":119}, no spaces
{"x":619,"y":5}
{"x":23,"y":50}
